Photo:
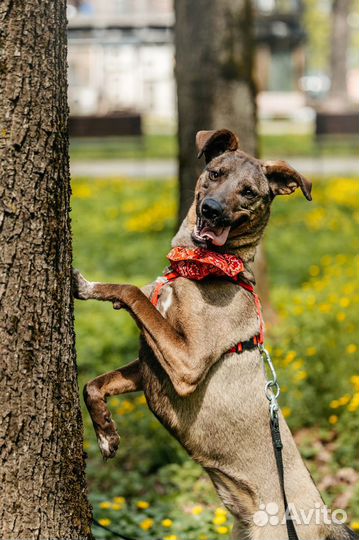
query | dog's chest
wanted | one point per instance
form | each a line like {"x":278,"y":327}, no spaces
{"x":201,"y":420}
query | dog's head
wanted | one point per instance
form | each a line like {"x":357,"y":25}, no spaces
{"x":234,"y":192}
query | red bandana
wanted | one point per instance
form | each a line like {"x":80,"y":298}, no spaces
{"x":199,"y":263}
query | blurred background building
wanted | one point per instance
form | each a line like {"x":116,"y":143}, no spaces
{"x":121,"y":60}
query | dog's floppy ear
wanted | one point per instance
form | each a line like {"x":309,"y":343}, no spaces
{"x":214,"y":143}
{"x":283,"y":179}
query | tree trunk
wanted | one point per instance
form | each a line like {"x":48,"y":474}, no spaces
{"x":214,"y":72}
{"x":42,"y":478}
{"x":339,"y":48}
{"x":215,"y":88}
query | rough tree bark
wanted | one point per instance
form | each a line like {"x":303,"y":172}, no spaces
{"x":214,"y":72}
{"x":43,"y":490}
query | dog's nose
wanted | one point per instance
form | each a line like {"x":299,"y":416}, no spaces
{"x":211,"y":209}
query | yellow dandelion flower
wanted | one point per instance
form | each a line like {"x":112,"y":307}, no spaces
{"x":221,"y":511}
{"x":219,"y":520}
{"x":341,"y":316}
{"x":354,"y":404}
{"x":351,"y":348}
{"x":115,"y":402}
{"x":141,"y":400}
{"x":128,"y":406}
{"x":143,"y":505}
{"x":117,"y":506}
{"x":341,"y":259}
{"x":105,"y":505}
{"x":81,"y":191}
{"x":287,"y":411}
{"x":349,"y":289}
{"x":197,"y":510}
{"x":289,"y":358}
{"x":298,"y":364}
{"x":325,"y":308}
{"x":203,"y":537}
{"x":147,"y":524}
{"x":222,"y":530}
{"x":119,"y":500}
{"x":334,"y":404}
{"x":344,"y":400}
{"x":105,"y":522}
{"x":311,"y":351}
{"x":170,"y":537}
{"x":354,"y":379}
{"x":326,"y":260}
{"x":355,"y":525}
{"x":314,"y":270}
{"x":300,"y":376}
{"x":167,"y":523}
{"x":344,"y":302}
{"x":333,"y":419}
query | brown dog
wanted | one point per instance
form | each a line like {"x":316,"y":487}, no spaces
{"x":209,"y":397}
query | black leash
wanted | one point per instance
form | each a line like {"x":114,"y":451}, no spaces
{"x":272,"y":391}
{"x":278,"y":446}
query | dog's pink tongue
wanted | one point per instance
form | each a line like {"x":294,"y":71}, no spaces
{"x":218,"y":237}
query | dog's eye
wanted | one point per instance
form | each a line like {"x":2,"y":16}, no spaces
{"x":214,"y":175}
{"x":249,"y":193}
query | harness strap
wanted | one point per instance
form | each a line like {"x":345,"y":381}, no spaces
{"x":278,"y":446}
{"x":167,"y":278}
{"x":242,"y":345}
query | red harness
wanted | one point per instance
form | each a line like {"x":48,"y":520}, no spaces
{"x":197,"y":264}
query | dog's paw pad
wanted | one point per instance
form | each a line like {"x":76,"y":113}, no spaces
{"x":81,"y":287}
{"x":108,"y":444}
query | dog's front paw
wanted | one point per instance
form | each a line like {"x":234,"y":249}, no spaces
{"x":82,"y":288}
{"x":108,"y":442}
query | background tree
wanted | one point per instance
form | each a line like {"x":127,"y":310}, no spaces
{"x":215,"y":88}
{"x":339,"y":48}
{"x":214,"y":72}
{"x":43,"y":491}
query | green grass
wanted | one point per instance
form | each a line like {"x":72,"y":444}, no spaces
{"x":122,"y":232}
{"x":165,"y":147}
{"x":145,"y":147}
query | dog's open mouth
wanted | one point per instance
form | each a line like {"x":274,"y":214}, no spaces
{"x":205,"y":233}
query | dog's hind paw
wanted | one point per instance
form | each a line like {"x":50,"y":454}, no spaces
{"x":82,"y":288}
{"x":108,"y":444}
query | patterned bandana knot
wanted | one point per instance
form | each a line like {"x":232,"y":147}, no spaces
{"x":200,"y":263}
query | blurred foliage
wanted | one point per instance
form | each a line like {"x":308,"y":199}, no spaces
{"x":165,"y":147}
{"x":317,"y":23}
{"x":122,"y":232}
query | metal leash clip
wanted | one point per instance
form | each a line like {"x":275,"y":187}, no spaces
{"x":271,"y":389}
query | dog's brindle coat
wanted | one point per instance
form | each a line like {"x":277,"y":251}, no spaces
{"x":213,"y":402}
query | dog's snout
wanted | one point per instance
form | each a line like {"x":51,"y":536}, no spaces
{"x":212,"y":209}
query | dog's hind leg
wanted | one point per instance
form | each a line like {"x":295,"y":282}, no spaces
{"x":96,"y":392}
